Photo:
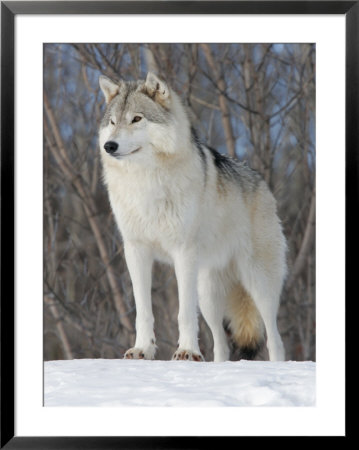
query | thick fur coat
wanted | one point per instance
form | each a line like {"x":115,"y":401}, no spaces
{"x":212,"y":217}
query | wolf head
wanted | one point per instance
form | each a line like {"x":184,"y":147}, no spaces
{"x":142,"y":119}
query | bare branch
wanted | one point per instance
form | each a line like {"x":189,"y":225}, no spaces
{"x":226,"y":117}
{"x":61,"y":158}
{"x":305,"y":247}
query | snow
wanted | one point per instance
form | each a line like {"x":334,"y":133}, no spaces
{"x":118,"y":383}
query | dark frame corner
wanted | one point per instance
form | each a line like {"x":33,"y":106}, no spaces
{"x":9,"y":9}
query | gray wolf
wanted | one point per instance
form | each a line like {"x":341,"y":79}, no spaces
{"x":212,"y":217}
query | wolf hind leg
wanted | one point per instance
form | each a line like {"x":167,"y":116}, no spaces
{"x":274,"y":341}
{"x":266,"y":293}
{"x":268,"y":307}
{"x":211,"y":302}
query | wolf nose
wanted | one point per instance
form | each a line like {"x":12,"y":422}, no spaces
{"x":111,"y":146}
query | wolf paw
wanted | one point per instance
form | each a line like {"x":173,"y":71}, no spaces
{"x":138,"y":353}
{"x":187,"y":355}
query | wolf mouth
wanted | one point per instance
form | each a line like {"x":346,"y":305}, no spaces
{"x":127,"y":154}
{"x":136,"y":150}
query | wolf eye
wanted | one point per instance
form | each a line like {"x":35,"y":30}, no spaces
{"x":112,"y":122}
{"x":136,"y":119}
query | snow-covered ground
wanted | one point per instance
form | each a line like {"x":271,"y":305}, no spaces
{"x":105,"y":382}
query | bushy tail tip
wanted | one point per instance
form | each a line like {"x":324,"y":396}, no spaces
{"x":245,"y":324}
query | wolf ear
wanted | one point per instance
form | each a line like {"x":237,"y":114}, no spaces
{"x":108,"y":87}
{"x":156,"y":88}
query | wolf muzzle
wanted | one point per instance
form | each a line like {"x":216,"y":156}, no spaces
{"x":111,"y":147}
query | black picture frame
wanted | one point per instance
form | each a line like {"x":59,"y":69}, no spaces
{"x":9,"y":9}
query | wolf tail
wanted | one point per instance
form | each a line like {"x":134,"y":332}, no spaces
{"x":245,"y":323}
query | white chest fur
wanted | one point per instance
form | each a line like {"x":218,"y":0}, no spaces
{"x":152,"y":206}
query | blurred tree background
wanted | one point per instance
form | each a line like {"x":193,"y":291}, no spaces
{"x":255,"y":102}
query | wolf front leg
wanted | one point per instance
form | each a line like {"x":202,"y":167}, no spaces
{"x":186,"y":269}
{"x":139,"y":261}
